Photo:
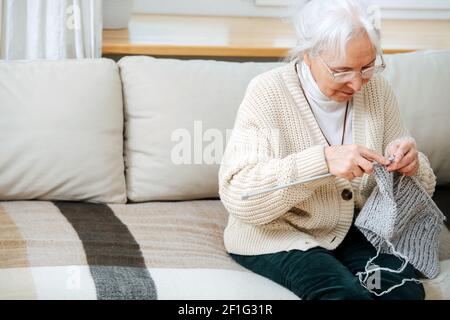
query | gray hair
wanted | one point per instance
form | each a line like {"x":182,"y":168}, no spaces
{"x":325,"y":24}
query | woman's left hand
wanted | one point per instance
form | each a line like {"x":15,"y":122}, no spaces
{"x":406,"y":157}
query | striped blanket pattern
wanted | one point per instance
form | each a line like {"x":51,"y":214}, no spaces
{"x":153,"y":250}
{"x":118,"y":243}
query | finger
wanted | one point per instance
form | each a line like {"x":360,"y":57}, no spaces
{"x":402,"y":149}
{"x":373,"y":156}
{"x":410,"y":169}
{"x":350,"y":172}
{"x":349,"y":176}
{"x":409,"y":157}
{"x":365,"y":165}
{"x":392,"y":148}
{"x":357,"y":171}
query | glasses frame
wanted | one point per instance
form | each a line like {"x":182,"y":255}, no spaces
{"x":376,"y":68}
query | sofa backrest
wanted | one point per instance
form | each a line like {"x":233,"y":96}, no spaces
{"x":61,"y":131}
{"x":61,"y":123}
{"x":178,"y":113}
{"x":421,"y":82}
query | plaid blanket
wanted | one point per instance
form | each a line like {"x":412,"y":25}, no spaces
{"x":117,"y":243}
{"x":157,"y":250}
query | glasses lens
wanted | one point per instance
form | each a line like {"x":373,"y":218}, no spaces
{"x":368,"y":73}
{"x":344,"y":76}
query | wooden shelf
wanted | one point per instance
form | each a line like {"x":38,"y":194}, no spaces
{"x":175,"y":35}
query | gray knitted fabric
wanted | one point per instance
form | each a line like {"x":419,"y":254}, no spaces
{"x":400,"y":217}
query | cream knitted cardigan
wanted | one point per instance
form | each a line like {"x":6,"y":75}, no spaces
{"x":275,"y":140}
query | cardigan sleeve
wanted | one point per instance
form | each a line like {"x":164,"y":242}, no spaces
{"x":396,"y":131}
{"x":251,"y":162}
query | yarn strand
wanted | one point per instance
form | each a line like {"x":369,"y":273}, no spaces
{"x":367,"y":272}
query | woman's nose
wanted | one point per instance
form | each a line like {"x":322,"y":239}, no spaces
{"x":356,"y":83}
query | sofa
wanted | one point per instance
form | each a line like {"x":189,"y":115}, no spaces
{"x":108,"y":174}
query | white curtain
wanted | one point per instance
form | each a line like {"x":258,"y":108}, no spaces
{"x":1,"y":24}
{"x":50,"y":29}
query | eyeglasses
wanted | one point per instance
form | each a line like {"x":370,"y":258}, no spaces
{"x":365,"y":73}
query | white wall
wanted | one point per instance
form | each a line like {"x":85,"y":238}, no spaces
{"x":395,"y":9}
{"x":208,"y":7}
{"x":415,"y":9}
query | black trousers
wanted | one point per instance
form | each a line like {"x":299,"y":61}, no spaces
{"x":323,"y":274}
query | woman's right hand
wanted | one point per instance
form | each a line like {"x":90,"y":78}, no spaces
{"x":351,"y":160}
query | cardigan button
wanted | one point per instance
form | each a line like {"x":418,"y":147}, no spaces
{"x":347,"y":194}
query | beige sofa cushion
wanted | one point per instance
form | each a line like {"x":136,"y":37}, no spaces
{"x":61,"y":131}
{"x":420,"y":81}
{"x":176,"y":113}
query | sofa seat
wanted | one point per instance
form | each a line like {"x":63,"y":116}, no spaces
{"x":153,"y":250}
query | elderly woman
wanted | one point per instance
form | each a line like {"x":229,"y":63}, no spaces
{"x":327,"y":111}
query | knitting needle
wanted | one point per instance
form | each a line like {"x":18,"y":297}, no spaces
{"x":255,"y":193}
{"x":391,"y":158}
{"x":248,"y":195}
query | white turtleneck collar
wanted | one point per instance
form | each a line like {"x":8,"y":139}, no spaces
{"x":313,"y":92}
{"x":329,"y":114}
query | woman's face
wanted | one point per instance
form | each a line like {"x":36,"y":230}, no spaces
{"x":360,"y":54}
